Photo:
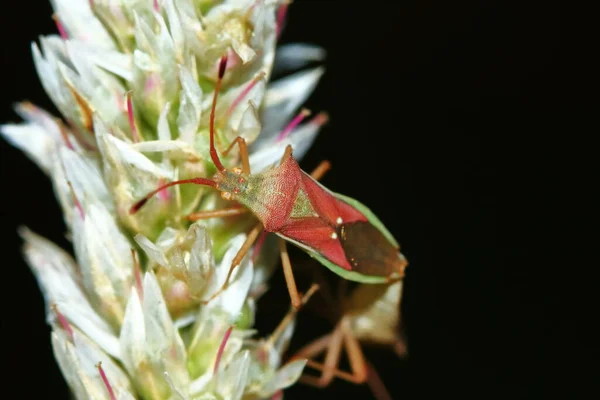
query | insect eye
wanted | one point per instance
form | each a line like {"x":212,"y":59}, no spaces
{"x":226,"y":195}
{"x":236,"y":190}
{"x":241,"y":180}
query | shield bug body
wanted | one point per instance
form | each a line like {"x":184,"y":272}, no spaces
{"x":338,"y":231}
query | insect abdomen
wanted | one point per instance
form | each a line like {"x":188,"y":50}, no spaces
{"x":368,"y":251}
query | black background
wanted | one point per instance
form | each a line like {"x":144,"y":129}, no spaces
{"x":458,"y":123}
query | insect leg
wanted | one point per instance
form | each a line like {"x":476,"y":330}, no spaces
{"x":241,"y":142}
{"x":376,"y":384}
{"x":289,"y":275}
{"x":291,"y":314}
{"x":321,"y":169}
{"x":332,"y":344}
{"x":360,"y":369}
{"x":224,"y":212}
{"x":250,"y":239}
{"x":355,"y":354}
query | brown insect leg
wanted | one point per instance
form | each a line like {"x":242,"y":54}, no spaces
{"x":358,"y":364}
{"x":376,"y":384}
{"x":289,"y":275}
{"x":250,"y":239}
{"x":241,"y":142}
{"x":222,"y":213}
{"x":321,"y":169}
{"x":329,"y":370}
{"x":291,"y":314}
{"x":332,"y":343}
{"x":313,"y":348}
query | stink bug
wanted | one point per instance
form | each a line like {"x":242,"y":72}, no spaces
{"x":341,"y":233}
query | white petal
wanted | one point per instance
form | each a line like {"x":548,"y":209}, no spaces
{"x":301,"y":140}
{"x":118,"y":63}
{"x":86,"y":178}
{"x":99,"y":88}
{"x":282,"y":100}
{"x":175,"y":27}
{"x":148,"y":337}
{"x":190,"y":108}
{"x":79,"y":22}
{"x":235,"y":377}
{"x":293,"y":56}
{"x":133,"y":334}
{"x":284,"y":378}
{"x":163,"y":130}
{"x":104,"y":255}
{"x":33,"y":140}
{"x":154,"y":253}
{"x":124,"y":155}
{"x":66,"y":358}
{"x":55,"y":272}
{"x":39,"y":117}
{"x":201,"y":258}
{"x":38,"y":136}
{"x":249,"y":126}
{"x":232,"y":299}
{"x":162,"y":338}
{"x":244,"y":52}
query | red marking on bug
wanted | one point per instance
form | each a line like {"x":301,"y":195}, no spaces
{"x":281,"y":14}
{"x":63,"y":322}
{"x":259,"y":244}
{"x":222,"y":349}
{"x":316,"y":233}
{"x":327,"y":206}
{"x":137,"y":274}
{"x":131,"y":118}
{"x":244,"y":93}
{"x":106,"y":382}
{"x":76,"y":201}
{"x":60,"y":27}
{"x":293,"y":124}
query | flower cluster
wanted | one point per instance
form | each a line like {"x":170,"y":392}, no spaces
{"x":133,"y":81}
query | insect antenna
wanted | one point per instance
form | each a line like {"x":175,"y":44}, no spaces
{"x":213,"y":151}
{"x":197,"y":181}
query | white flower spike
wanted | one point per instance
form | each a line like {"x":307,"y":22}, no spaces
{"x":134,"y":81}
